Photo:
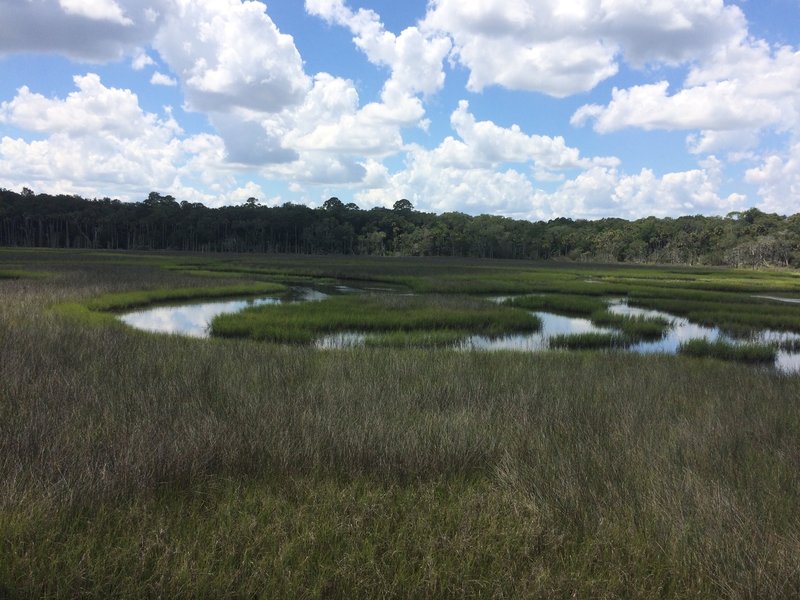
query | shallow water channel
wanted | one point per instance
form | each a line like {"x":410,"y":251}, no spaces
{"x":194,"y":320}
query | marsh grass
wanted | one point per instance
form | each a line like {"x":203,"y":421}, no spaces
{"x":559,"y":304}
{"x":138,"y":465}
{"x":14,"y":274}
{"x":587,"y":341}
{"x":789,"y":345}
{"x":126,"y":300}
{"x":303,"y":323}
{"x":748,"y":353}
{"x":634,"y":328}
{"x":417,"y":339}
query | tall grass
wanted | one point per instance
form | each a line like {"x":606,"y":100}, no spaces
{"x":587,"y":341}
{"x":141,"y":465}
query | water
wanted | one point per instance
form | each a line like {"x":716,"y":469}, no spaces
{"x":683,"y":330}
{"x":189,"y":319}
{"x":551,"y":325}
{"x":194,"y":319}
{"x":779,"y":299}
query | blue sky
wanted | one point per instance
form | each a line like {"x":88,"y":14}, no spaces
{"x":525,"y":108}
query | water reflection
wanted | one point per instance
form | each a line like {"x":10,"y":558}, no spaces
{"x":779,"y":299}
{"x":345,"y":339}
{"x":682,"y":330}
{"x":190,"y":319}
{"x":551,"y":325}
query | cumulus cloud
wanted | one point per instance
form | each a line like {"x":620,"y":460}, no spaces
{"x":159,"y":78}
{"x":99,"y":138}
{"x":230,"y":54}
{"x":597,"y":192}
{"x":778,"y":180}
{"x":486,"y":144}
{"x":97,"y":10}
{"x":234,"y":64}
{"x":88,"y":30}
{"x":717,"y":106}
{"x":141,"y":60}
{"x":416,"y":60}
{"x":740,"y":90}
{"x":472,"y":174}
{"x":563,"y":48}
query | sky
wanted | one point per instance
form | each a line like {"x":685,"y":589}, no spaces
{"x":530,"y":109}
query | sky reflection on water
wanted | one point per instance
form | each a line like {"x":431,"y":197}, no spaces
{"x":190,"y":319}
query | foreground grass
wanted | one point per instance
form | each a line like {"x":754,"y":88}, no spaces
{"x":139,"y":465}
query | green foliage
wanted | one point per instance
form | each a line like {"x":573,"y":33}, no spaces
{"x":748,"y":239}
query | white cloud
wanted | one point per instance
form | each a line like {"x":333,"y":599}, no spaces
{"x":486,"y":144}
{"x":88,"y":30}
{"x":416,"y":64}
{"x":97,"y":10}
{"x":468,"y":174}
{"x":561,"y":48}
{"x":159,"y":78}
{"x":416,"y":60}
{"x":778,"y":181}
{"x":670,"y":31}
{"x":718,"y":106}
{"x":92,"y":108}
{"x":141,"y":60}
{"x":99,"y":138}
{"x":740,"y":90}
{"x":234,"y":64}
{"x":229,"y":55}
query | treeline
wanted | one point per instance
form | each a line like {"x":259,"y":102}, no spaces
{"x":750,"y":238}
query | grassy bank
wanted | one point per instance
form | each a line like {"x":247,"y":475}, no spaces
{"x":135,"y":465}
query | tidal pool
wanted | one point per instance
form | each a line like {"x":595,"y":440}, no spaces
{"x":194,"y":320}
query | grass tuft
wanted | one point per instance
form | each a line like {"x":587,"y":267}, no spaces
{"x":587,"y":341}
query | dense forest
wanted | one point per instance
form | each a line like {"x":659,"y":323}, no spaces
{"x":750,"y":238}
